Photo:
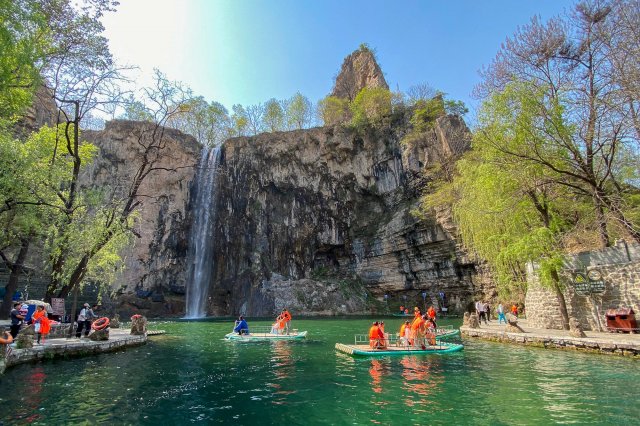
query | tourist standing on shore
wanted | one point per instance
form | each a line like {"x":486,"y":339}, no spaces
{"x":514,"y":310}
{"x":84,"y":320}
{"x":501,"y":316}
{"x":487,"y":312}
{"x":41,"y":323}
{"x":16,"y":319}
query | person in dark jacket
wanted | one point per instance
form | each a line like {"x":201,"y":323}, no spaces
{"x":241,"y":326}
{"x":16,"y":319}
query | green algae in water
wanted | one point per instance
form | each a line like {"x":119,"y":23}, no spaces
{"x":191,"y":375}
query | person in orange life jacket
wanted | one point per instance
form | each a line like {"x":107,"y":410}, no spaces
{"x":42,"y":324}
{"x":415,"y":326}
{"x":376,"y":337}
{"x":287,"y":319}
{"x":431,"y":312}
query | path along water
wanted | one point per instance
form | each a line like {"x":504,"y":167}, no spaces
{"x":192,"y":375}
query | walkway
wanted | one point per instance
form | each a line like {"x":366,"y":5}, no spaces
{"x":602,"y":342}
{"x":63,"y":347}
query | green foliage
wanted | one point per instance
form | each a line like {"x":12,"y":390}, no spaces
{"x":299,"y":111}
{"x":274,"y":115}
{"x":370,"y":106}
{"x":426,"y":112}
{"x":334,"y":110}
{"x":23,"y":41}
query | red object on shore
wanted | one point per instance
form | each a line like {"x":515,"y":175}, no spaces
{"x":621,"y":319}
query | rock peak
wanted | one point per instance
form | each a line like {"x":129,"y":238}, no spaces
{"x":359,"y":70}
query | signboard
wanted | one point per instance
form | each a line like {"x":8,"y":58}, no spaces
{"x":588,"y":284}
{"x":57,"y":306}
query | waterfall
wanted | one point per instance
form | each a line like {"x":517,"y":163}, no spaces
{"x":200,"y":256}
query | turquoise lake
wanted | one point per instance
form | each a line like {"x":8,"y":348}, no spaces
{"x":192,"y":375}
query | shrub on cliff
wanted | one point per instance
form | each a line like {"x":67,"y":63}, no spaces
{"x":370,"y":106}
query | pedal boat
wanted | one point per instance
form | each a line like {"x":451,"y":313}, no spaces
{"x":264,"y":333}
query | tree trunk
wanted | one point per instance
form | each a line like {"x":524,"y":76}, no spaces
{"x":561,"y":301}
{"x":14,"y":278}
{"x":605,"y":240}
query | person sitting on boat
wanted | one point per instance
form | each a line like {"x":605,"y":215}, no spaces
{"x":241,"y":326}
{"x":376,"y":337}
{"x":430,"y":333}
{"x":404,"y":334}
{"x":402,"y":309}
{"x":406,"y":311}
{"x":418,"y":322}
{"x":287,"y":319}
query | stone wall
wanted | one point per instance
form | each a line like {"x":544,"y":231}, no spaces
{"x":622,"y":289}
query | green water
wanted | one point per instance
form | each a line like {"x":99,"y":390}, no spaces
{"x":191,"y":375}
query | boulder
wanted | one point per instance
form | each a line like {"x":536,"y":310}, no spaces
{"x":473,"y":321}
{"x":512,"y":324}
{"x":138,"y":325}
{"x":100,"y":335}
{"x":25,"y":337}
{"x":575,"y":329}
{"x":115,"y":321}
{"x":465,"y":319}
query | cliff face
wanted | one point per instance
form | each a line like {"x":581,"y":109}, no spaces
{"x":157,"y":260}
{"x":320,"y":221}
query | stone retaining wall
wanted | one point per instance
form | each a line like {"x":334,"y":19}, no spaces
{"x":544,"y":341}
{"x":622,"y":289}
{"x":70,"y":348}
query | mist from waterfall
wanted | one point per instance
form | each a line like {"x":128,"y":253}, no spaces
{"x":200,"y":256}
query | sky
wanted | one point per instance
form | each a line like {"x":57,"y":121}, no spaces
{"x":248,"y":51}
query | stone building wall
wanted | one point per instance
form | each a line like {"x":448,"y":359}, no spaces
{"x":622,"y":288}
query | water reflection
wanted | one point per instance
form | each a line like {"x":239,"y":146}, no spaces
{"x":422,"y":378}
{"x":281,"y":365}
{"x":29,"y":411}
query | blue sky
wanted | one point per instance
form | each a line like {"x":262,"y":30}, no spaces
{"x":247,"y":51}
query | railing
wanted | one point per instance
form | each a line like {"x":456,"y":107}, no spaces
{"x":264,"y":330}
{"x":397,"y":341}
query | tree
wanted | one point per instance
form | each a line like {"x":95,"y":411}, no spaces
{"x":299,"y":112}
{"x":207,"y":122}
{"x":239,"y":121}
{"x":254,"y":114}
{"x":370,"y":105}
{"x":273,"y":115}
{"x":561,"y":73}
{"x":333,"y":110}
{"x":80,"y":246}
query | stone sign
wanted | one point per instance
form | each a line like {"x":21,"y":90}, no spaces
{"x":591,"y":283}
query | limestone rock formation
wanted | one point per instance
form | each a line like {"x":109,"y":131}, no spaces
{"x":156,"y":261}
{"x":42,"y":111}
{"x":330,"y":211}
{"x":359,"y":70}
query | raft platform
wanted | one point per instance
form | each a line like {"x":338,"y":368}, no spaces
{"x":264,"y":333}
{"x":366,"y":350}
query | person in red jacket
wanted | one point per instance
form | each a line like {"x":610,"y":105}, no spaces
{"x":41,"y":322}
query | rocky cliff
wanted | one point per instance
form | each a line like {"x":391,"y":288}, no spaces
{"x":156,"y":262}
{"x":320,"y":221}
{"x":359,"y":70}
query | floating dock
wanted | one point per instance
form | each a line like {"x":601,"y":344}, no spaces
{"x":366,"y":350}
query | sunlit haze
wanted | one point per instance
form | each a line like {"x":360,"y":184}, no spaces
{"x":249,"y":51}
